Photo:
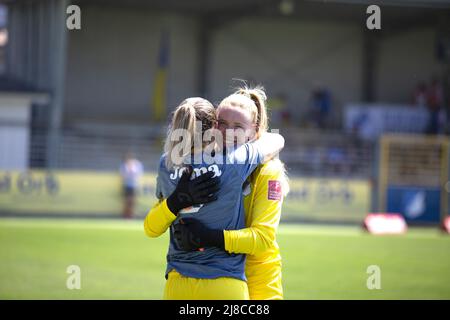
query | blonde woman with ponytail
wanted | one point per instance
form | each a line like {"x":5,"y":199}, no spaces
{"x":263,"y":195}
{"x":192,"y":188}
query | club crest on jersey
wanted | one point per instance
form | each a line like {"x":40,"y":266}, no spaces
{"x":274,"y":190}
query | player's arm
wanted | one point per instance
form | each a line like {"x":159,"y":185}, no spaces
{"x":188,"y":192}
{"x":268,"y":145}
{"x":266,"y":213}
{"x":158,"y":219}
{"x":251,"y":154}
{"x":254,"y":239}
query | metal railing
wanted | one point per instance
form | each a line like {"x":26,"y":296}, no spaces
{"x":307,"y":153}
{"x":327,"y":154}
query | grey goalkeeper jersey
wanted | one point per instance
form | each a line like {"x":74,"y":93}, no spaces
{"x":227,"y":212}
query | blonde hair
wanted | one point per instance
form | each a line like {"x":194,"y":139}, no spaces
{"x":254,"y":100}
{"x":186,"y":116}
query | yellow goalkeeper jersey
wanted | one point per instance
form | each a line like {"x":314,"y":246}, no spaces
{"x":262,"y":205}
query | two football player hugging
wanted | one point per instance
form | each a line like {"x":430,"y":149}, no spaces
{"x":223,"y":215}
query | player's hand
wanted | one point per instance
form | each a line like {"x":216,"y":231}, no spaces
{"x":192,"y":234}
{"x":202,"y":189}
{"x":184,"y":238}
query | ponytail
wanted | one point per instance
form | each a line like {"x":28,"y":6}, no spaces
{"x":259,"y":98}
{"x":191,"y":113}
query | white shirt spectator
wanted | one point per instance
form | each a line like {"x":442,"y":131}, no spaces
{"x":131,"y":170}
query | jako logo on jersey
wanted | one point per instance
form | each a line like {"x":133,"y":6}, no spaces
{"x":197,"y":171}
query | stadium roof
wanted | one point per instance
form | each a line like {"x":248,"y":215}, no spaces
{"x":215,"y":6}
{"x":394,"y":12}
{"x":210,"y":6}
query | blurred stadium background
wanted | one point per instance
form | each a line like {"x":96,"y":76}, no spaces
{"x":365,"y":114}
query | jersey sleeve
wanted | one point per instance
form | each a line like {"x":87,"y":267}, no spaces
{"x":266,"y":213}
{"x":158,"y":219}
{"x":246,"y":158}
{"x":158,"y":190}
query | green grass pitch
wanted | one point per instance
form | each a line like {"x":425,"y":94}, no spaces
{"x":118,"y":261}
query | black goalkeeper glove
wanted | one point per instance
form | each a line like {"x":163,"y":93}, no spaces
{"x":191,"y":234}
{"x":184,"y":238}
{"x":188,"y":192}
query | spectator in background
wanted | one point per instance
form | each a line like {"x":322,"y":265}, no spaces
{"x":130,"y":170}
{"x":336,"y":159}
{"x":435,"y":103}
{"x":442,"y":121}
{"x":321,"y":105}
{"x":280,"y":114}
{"x":286,"y":117}
{"x":420,"y":95}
